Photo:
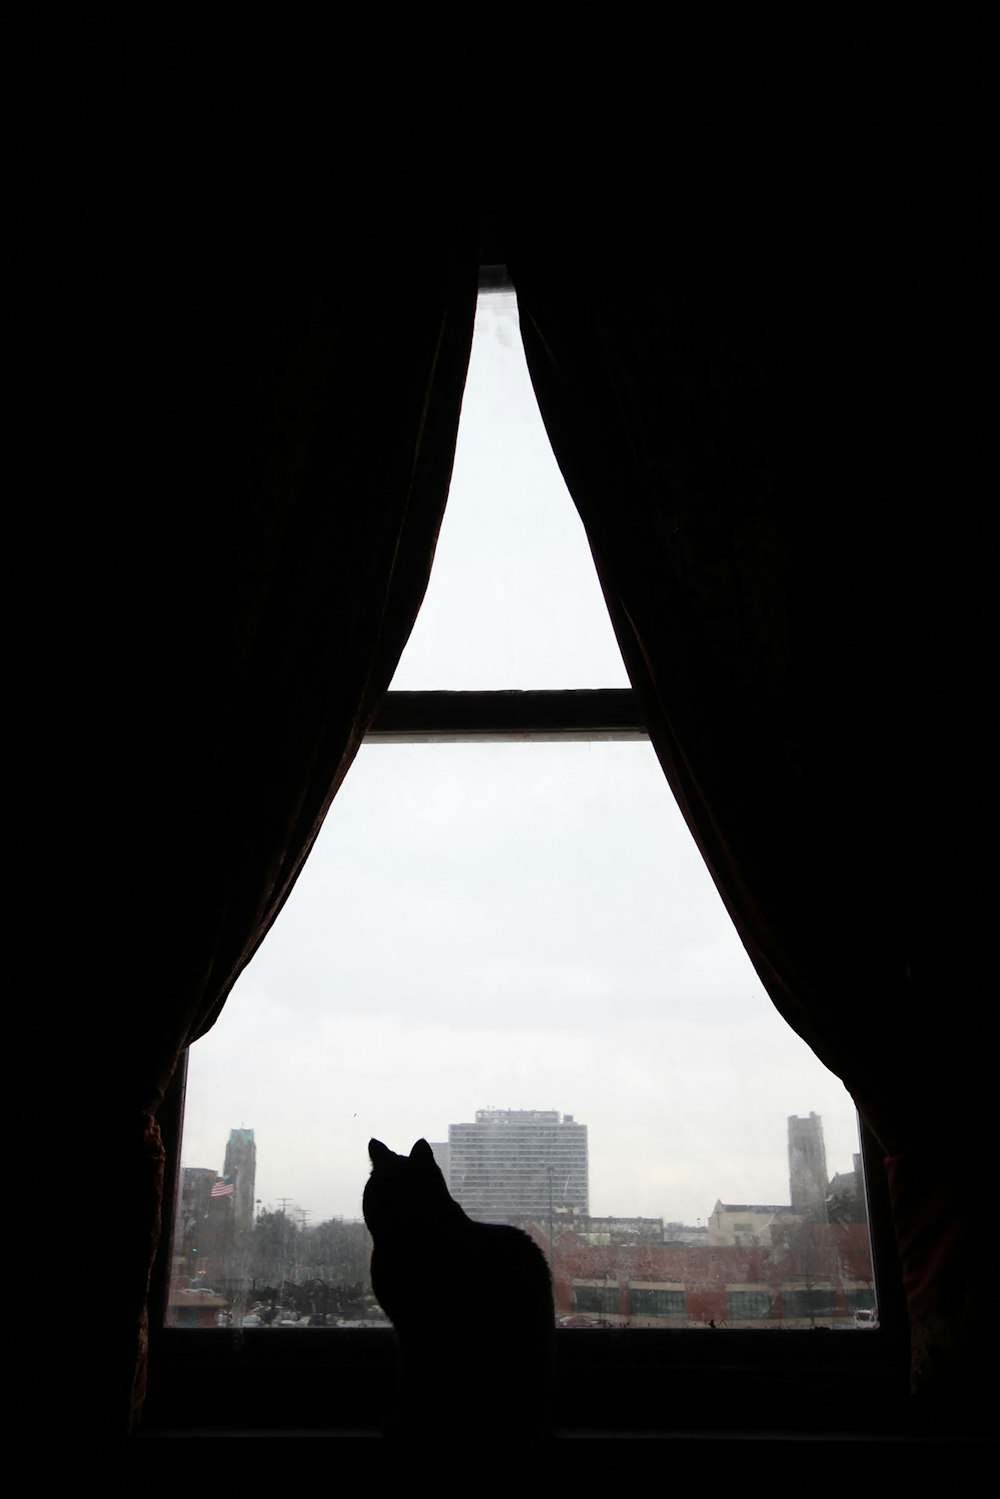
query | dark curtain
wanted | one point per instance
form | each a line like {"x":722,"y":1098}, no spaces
{"x":764,"y":372}
{"x":241,"y":322}
{"x":290,"y":571}
{"x":346,"y":393}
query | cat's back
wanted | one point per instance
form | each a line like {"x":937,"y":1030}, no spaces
{"x":503,"y":1267}
{"x":494,"y":1346}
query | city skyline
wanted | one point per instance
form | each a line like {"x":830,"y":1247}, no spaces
{"x":796,"y":1129}
{"x":764,"y":1265}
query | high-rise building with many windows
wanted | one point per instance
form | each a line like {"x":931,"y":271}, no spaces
{"x":518,"y":1163}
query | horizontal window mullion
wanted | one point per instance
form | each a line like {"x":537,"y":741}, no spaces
{"x":585,"y":713}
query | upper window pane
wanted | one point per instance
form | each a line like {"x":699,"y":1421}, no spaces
{"x":513,"y":600}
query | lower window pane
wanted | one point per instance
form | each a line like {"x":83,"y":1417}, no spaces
{"x":515,"y":952}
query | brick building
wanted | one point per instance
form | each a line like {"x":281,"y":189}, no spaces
{"x":806,"y":1274}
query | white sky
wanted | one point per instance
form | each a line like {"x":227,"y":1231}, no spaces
{"x":509,"y":926}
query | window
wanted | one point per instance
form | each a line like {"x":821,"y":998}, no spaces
{"x":745,"y":1306}
{"x":650,"y":1301}
{"x":811,"y":1304}
{"x":521,"y":926}
{"x":602,"y":1300}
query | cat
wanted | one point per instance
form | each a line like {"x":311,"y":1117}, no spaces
{"x":471,"y":1304}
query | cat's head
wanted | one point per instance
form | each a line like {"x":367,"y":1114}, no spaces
{"x":402,"y":1189}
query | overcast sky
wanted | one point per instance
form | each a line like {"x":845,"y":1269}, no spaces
{"x":509,"y":926}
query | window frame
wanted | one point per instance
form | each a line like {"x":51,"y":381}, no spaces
{"x":608,"y":1380}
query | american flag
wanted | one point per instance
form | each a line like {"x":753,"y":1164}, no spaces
{"x":224,"y":1187}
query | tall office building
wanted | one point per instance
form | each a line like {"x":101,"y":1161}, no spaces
{"x":241,"y":1169}
{"x":518,"y":1163}
{"x":808,"y":1181}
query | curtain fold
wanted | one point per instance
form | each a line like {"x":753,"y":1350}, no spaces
{"x":763,"y":376}
{"x":742,"y":610}
{"x":240,"y":352}
{"x":341,"y":412}
{"x":344,"y":413}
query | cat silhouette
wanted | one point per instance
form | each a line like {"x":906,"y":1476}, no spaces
{"x":472,"y":1308}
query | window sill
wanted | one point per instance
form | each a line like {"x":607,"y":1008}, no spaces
{"x":609,"y":1381}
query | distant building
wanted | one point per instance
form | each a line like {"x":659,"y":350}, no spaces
{"x":844,"y":1184}
{"x":813,"y":1274}
{"x":192,"y":1300}
{"x":849,"y":1183}
{"x":617,"y":1230}
{"x":746,"y":1223}
{"x":513,"y":1164}
{"x":240,"y":1170}
{"x":620,"y":1231}
{"x":442,"y":1154}
{"x":194,"y":1201}
{"x":846,"y":1198}
{"x":684,"y":1233}
{"x":811,"y":1192}
{"x":803,"y":1264}
{"x":214,"y":1212}
{"x":808,"y":1181}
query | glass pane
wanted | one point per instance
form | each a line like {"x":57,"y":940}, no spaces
{"x":513,"y":599}
{"x":515,"y":951}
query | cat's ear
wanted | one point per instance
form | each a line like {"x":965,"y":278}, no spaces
{"x":378,"y":1153}
{"x":422,"y":1153}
